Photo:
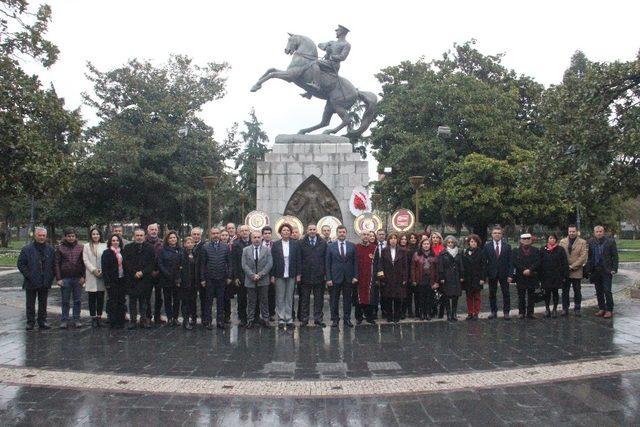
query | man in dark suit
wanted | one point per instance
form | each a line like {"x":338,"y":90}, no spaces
{"x":342,"y":272}
{"x":285,"y":273}
{"x":198,"y":244}
{"x":215,"y":275}
{"x":499,"y":270}
{"x":241,"y":242}
{"x":314,"y":250}
{"x":602,"y":264}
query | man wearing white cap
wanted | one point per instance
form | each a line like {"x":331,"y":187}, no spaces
{"x":526,"y":266}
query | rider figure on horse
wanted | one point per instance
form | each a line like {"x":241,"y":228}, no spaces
{"x":335,"y":52}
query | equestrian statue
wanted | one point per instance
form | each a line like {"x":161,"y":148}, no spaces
{"x":319,"y":78}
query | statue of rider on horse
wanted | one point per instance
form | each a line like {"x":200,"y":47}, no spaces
{"x":319,"y":78}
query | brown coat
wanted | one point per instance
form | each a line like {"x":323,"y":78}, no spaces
{"x":578,"y":256}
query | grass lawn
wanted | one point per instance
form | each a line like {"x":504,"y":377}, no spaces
{"x":629,"y":244}
{"x":8,"y":259}
{"x":629,"y":256}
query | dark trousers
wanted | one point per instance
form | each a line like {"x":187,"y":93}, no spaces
{"x":425,"y":296}
{"x":603,"y":283}
{"x":577,"y":293}
{"x":241,"y":301}
{"x":393,"y":309}
{"x":304,"y":308}
{"x":41,"y":294}
{"x":227,"y":306}
{"x":138,"y":303}
{"x":473,"y":301}
{"x":493,"y":293}
{"x":548,"y":293}
{"x":257,"y":301}
{"x":384,"y":307}
{"x":411,"y":302}
{"x":362,"y":311}
{"x":343,"y":288}
{"x":157,"y":301}
{"x":171,"y":302}
{"x":215,"y":289}
{"x":188,"y":303}
{"x":526,"y":300}
{"x":451,"y":306}
{"x":116,"y":301}
{"x":96,"y":303}
{"x":201,"y":295}
{"x":272,"y":300}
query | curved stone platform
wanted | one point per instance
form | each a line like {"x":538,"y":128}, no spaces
{"x":567,"y":370}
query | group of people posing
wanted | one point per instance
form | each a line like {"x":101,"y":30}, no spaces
{"x":395,"y":276}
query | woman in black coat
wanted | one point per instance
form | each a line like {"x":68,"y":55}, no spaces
{"x":411,"y":301}
{"x":188,"y":284}
{"x":393,"y":264}
{"x":114,"y":281}
{"x":555,"y":270}
{"x":475,"y":274}
{"x":169,"y":262}
{"x":451,"y":276}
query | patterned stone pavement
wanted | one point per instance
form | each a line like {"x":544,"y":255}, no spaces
{"x":569,"y":371}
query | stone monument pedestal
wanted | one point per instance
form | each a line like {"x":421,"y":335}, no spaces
{"x":310,"y":176}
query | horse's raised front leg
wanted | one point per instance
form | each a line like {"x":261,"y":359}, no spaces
{"x":326,"y":119}
{"x":344,"y":115}
{"x":272,"y":73}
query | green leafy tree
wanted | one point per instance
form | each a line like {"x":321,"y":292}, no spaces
{"x":493,"y":116}
{"x":39,"y":138}
{"x":148,"y":154}
{"x":22,"y":32}
{"x":254,"y":141}
{"x":631,"y":214}
{"x":591,"y":122}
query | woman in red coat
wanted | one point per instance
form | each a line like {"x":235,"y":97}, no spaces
{"x":423,"y":276}
{"x":394,"y":269}
{"x":362,"y":295}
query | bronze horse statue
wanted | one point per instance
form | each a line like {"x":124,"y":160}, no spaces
{"x":340,"y":94}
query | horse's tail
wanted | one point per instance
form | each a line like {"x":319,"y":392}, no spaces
{"x":371,"y":108}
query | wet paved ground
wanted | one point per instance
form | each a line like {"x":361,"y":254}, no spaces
{"x":373,"y":356}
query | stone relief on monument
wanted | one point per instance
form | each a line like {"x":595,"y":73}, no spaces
{"x":311,"y":201}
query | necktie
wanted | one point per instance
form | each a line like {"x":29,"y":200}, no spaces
{"x":313,"y":242}
{"x":256,"y":253}
{"x":497,"y":249}
{"x":342,"y":249}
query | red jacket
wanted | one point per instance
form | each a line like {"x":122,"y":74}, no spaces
{"x":417,"y":268}
{"x":68,"y":261}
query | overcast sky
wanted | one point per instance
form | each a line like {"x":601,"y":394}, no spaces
{"x":538,"y":39}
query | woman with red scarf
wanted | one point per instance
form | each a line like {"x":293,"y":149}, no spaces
{"x":362,"y":295}
{"x":436,"y":243}
{"x":114,"y":282}
{"x":554,"y":269}
{"x":437,"y":247}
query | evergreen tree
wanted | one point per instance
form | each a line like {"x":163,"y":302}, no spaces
{"x":254,"y":141}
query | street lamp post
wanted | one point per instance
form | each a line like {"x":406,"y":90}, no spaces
{"x":417,"y":182}
{"x":210,"y":182}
